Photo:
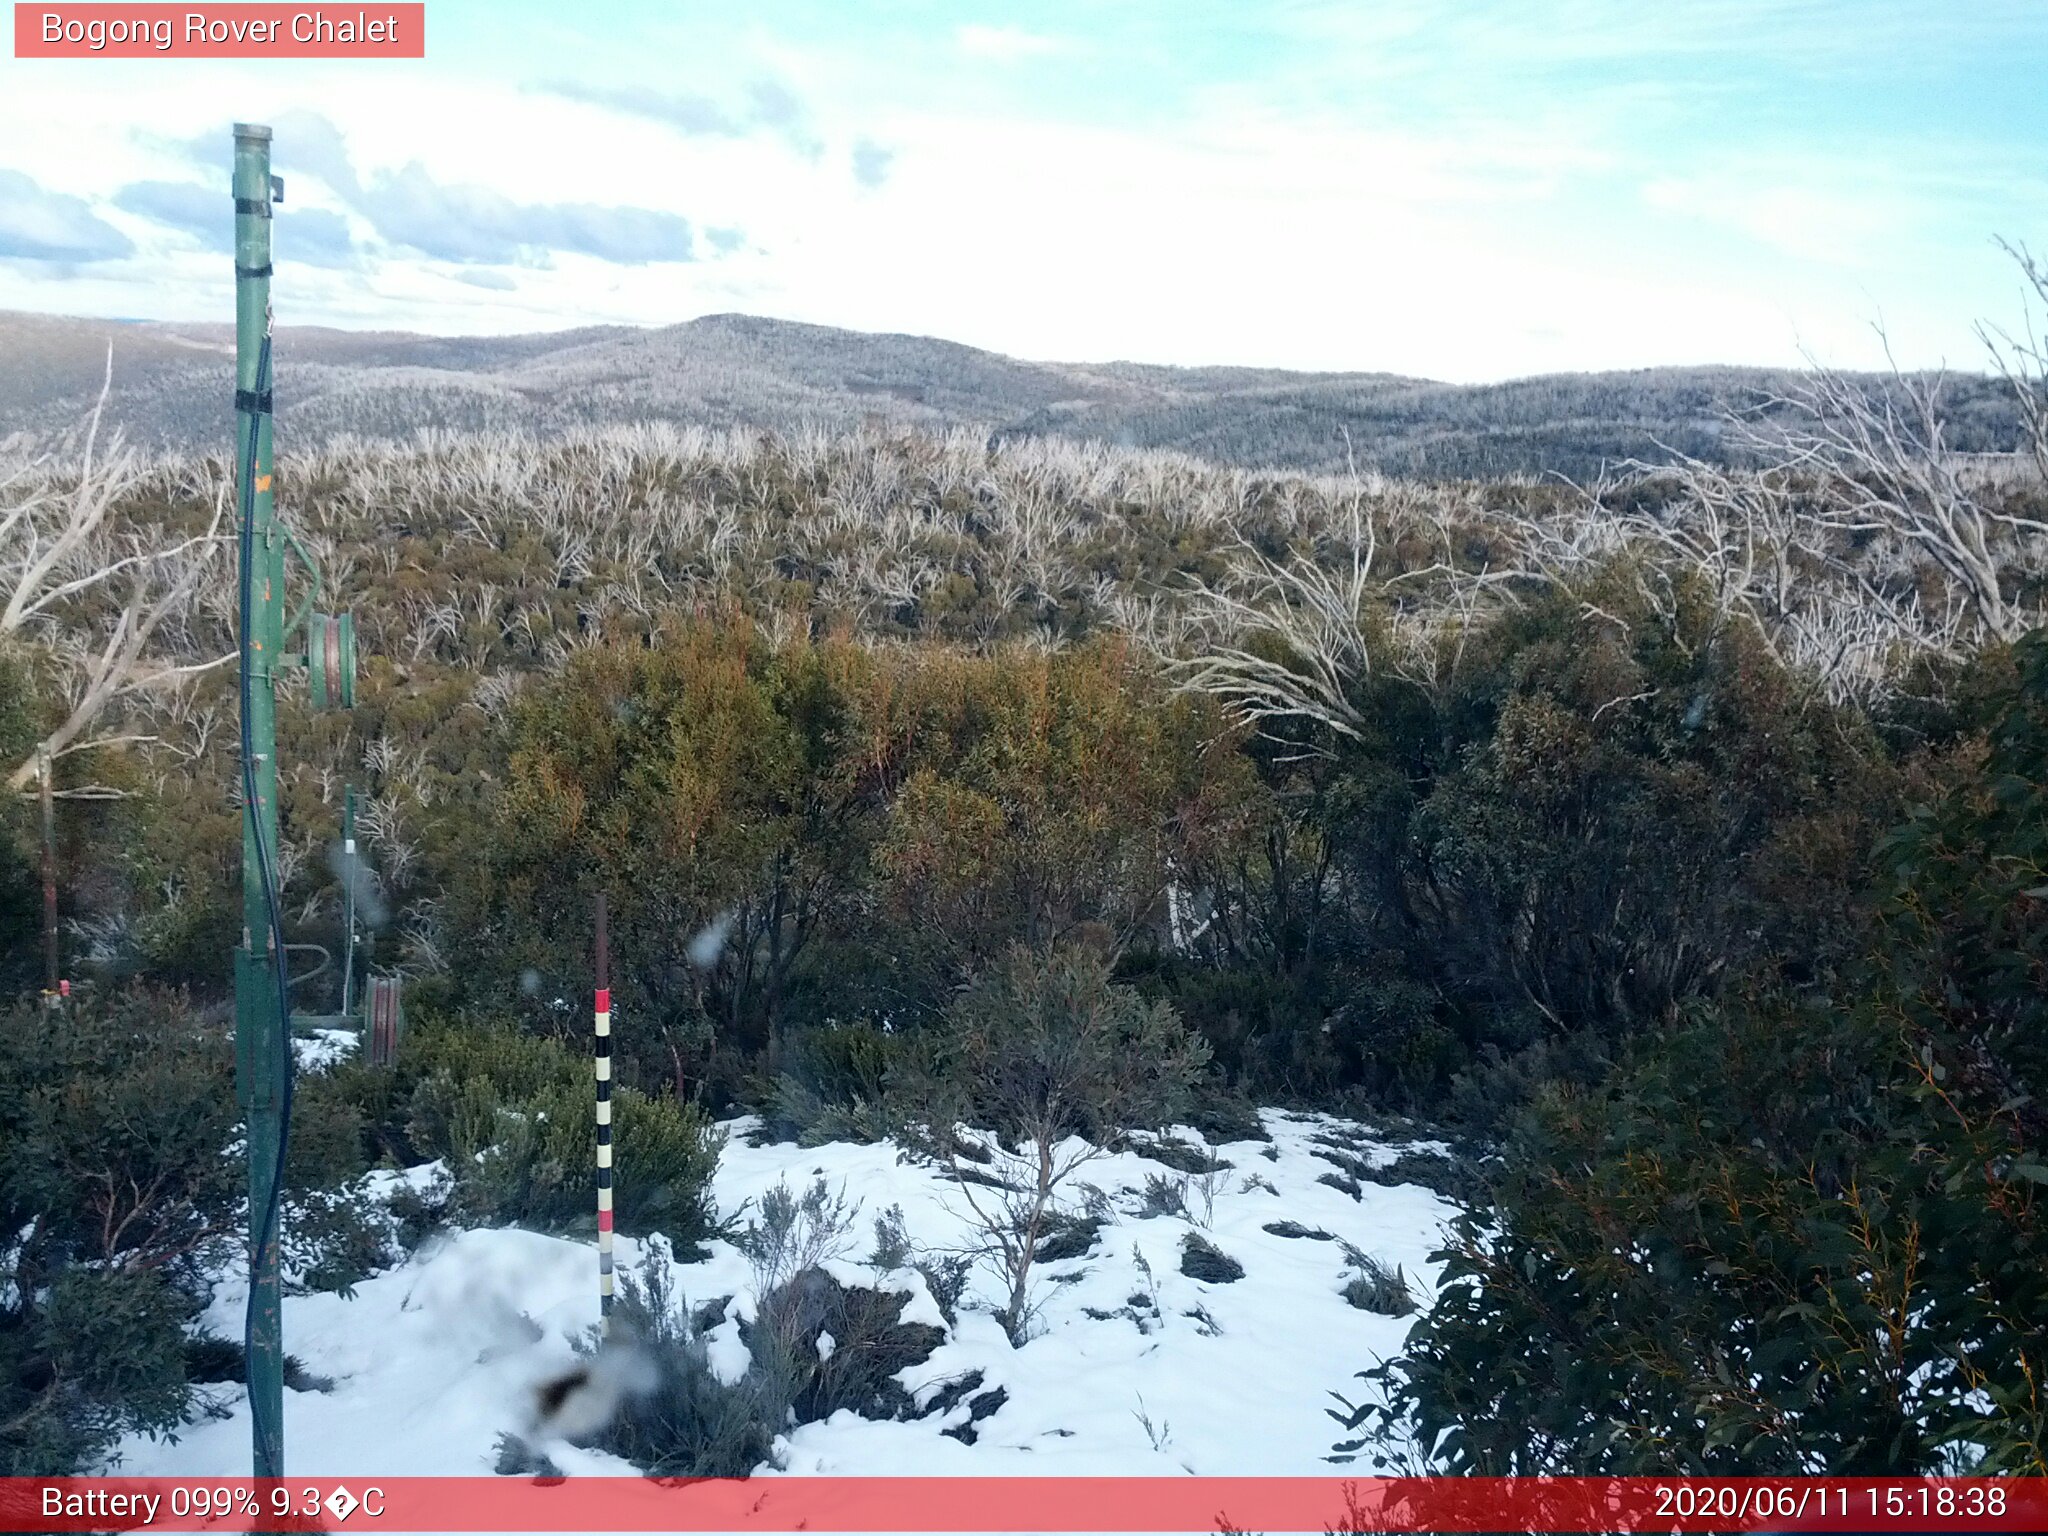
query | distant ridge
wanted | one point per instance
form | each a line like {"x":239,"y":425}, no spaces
{"x":171,"y":389}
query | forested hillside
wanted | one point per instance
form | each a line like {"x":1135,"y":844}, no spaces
{"x":741,"y":371}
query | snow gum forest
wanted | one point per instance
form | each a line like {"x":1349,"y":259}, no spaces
{"x":1120,"y":962}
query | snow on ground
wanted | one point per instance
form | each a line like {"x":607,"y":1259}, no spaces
{"x":322,"y":1048}
{"x":431,"y":1361}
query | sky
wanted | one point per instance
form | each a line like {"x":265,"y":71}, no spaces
{"x":1460,"y":189}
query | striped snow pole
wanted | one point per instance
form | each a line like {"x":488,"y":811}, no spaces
{"x":604,"y":1120}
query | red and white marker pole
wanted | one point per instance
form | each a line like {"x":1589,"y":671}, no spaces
{"x":604,"y":1119}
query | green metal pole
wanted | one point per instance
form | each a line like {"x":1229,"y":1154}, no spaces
{"x":348,"y":897}
{"x":262,"y":1053}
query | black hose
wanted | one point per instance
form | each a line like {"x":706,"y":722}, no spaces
{"x":266,"y":1234}
{"x":326,"y":963}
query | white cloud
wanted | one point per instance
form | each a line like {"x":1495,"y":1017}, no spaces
{"x":1003,"y":44}
{"x":38,"y":223}
{"x":1813,"y":221}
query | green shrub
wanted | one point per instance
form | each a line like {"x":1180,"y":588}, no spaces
{"x":473,"y":1065}
{"x":844,"y":1063}
{"x":20,"y":894}
{"x":834,"y":1086}
{"x":1796,"y":1231}
{"x":537,"y":1163}
{"x":1669,"y":1279}
{"x":116,"y":1188}
{"x":101,"y":1354}
{"x":1047,"y":1046}
{"x":115,"y":1118}
{"x":517,"y":1129}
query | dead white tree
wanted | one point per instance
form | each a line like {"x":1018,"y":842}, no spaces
{"x":2022,"y":359}
{"x":1746,"y":536}
{"x":59,"y":555}
{"x":1295,"y":639}
{"x":1313,"y":612}
{"x":1885,"y":469}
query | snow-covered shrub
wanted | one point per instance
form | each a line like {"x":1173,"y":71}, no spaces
{"x":688,"y":1422}
{"x":419,"y":1209}
{"x":945,"y":1274}
{"x":1374,"y":1287}
{"x":803,"y":1318}
{"x":892,"y":1241}
{"x":794,"y":1233}
{"x":1182,"y":1156}
{"x":834,"y":1346}
{"x":1164,"y":1195}
{"x":1457,"y":1176}
{"x":815,"y":1347}
{"x":1201,"y":1259}
{"x":1222,"y":1115}
{"x":335,"y":1230}
{"x":1070,"y":1235}
{"x":334,"y":1238}
{"x":1056,"y":1061}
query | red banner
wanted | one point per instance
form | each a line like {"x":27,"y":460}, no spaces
{"x":61,"y":31}
{"x":1016,"y":1504}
